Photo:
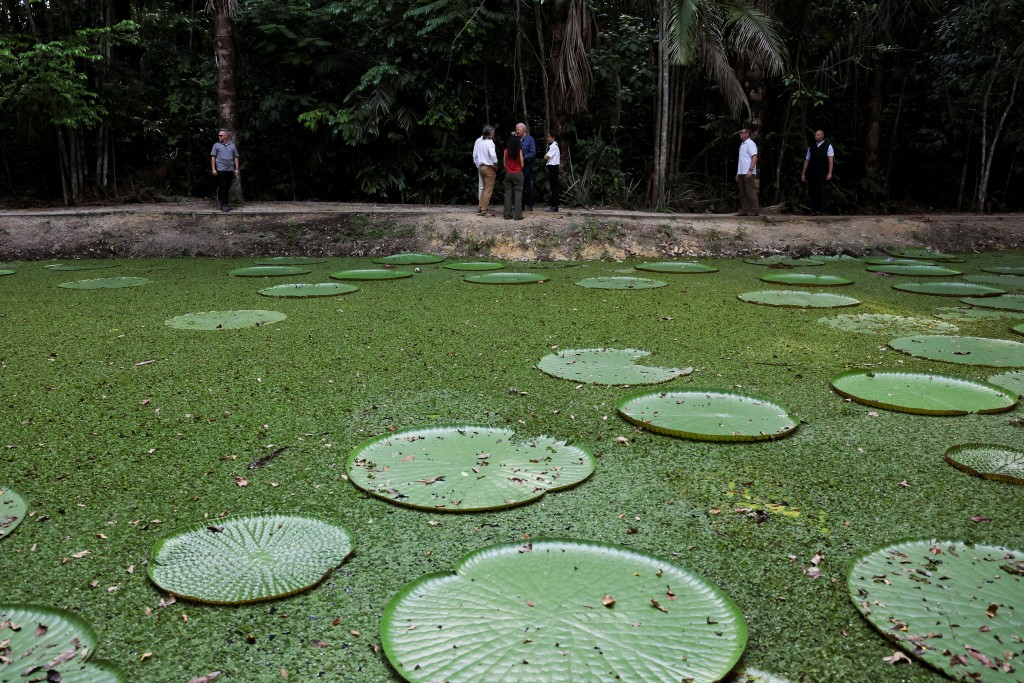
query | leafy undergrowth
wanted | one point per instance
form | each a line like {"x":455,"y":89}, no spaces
{"x":116,"y":428}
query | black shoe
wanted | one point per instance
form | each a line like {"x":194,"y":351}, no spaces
{"x":225,"y":207}
{"x":552,"y":210}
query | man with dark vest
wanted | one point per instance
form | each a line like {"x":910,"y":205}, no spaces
{"x":818,"y":165}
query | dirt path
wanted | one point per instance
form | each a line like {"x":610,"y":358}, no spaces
{"x":332,"y":229}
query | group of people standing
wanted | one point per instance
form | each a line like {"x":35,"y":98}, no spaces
{"x":819,"y":161}
{"x":518,"y":158}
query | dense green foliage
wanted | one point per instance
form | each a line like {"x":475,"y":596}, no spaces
{"x":360,"y":100}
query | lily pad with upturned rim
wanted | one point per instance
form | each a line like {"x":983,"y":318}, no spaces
{"x":887,"y":325}
{"x":290,"y":261}
{"x":62,"y":267}
{"x":893,"y":261}
{"x":915,"y":271}
{"x":1006,"y":302}
{"x":1014,"y":381}
{"x":923,"y":394}
{"x":562,"y":610}
{"x":606,"y":366}
{"x":807,"y":279}
{"x":948,"y":289}
{"x":783,"y":261}
{"x":707,"y":415}
{"x":302,"y":290}
{"x":371,"y":274}
{"x":465,"y":468}
{"x":106,"y":283}
{"x":409,"y":259}
{"x":268,"y":271}
{"x":1008,"y":282}
{"x":12,"y":510}
{"x":248,"y":558}
{"x":797,"y":299}
{"x":225,"y":320}
{"x":620,"y":283}
{"x":1005,"y":270}
{"x":1019,"y":329}
{"x":474,"y":265}
{"x":938,"y":600}
{"x":992,"y":353}
{"x":506,"y":279}
{"x":988,"y":461}
{"x":7,"y":271}
{"x":687,"y":267}
{"x":919,"y":254}
{"x":967,"y":313}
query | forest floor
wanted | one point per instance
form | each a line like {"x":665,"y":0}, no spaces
{"x":196,"y":228}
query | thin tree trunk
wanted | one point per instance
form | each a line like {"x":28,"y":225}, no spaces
{"x":988,"y":154}
{"x":875,"y":116}
{"x":661,"y":120}
{"x":537,"y":20}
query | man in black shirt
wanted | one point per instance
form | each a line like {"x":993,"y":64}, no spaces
{"x":818,"y":165}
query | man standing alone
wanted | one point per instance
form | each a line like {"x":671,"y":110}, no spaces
{"x":529,"y":147}
{"x":818,"y":165}
{"x":746,"y":175}
{"x":224,"y":166}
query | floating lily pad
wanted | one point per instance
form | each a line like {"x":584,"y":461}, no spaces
{"x":371,"y":274}
{"x":546,"y":265}
{"x":918,"y":254}
{"x":290,"y":261}
{"x":807,"y":279}
{"x":268,"y":271}
{"x":12,"y":511}
{"x":620,"y":283}
{"x":893,"y":261}
{"x":80,"y":266}
{"x":409,"y":259}
{"x":938,"y":600}
{"x":915,"y":271}
{"x":107,"y":283}
{"x":1001,"y":281}
{"x":783,"y":261}
{"x":1019,"y":329}
{"x":305,"y":290}
{"x":562,"y":610}
{"x":456,"y":469}
{"x":992,"y":353}
{"x":797,"y":299}
{"x":968,"y":314}
{"x":949,"y":289}
{"x":225,"y":320}
{"x":1014,"y":381}
{"x":988,"y":461}
{"x":676,"y":267}
{"x":1006,"y":302}
{"x":923,"y":394}
{"x":707,"y":415}
{"x":474,"y":265}
{"x":884,"y":324}
{"x":248,"y":558}
{"x":606,"y":366}
{"x":1005,"y":270}
{"x":506,"y":279}
{"x":7,"y":271}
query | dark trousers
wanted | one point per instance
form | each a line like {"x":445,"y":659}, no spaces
{"x":528,"y":185}
{"x":224,"y":180}
{"x":553,"y":184}
{"x":514,"y":195}
{"x":817,"y":186}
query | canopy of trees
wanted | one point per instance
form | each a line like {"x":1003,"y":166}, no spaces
{"x":120,"y":100}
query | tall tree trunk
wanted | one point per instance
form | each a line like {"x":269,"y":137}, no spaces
{"x":227,"y":75}
{"x":874,"y":115}
{"x":988,"y":151}
{"x":543,"y":65}
{"x":661,"y":123}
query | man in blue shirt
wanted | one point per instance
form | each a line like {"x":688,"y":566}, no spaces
{"x":529,"y":147}
{"x":224,"y":166}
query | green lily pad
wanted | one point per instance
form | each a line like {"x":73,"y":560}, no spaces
{"x":884,"y":324}
{"x":938,"y":600}
{"x":620,"y":283}
{"x":456,"y":469}
{"x":923,"y":394}
{"x":915,"y":270}
{"x":225,"y":320}
{"x":783,"y":261}
{"x":948,"y":289}
{"x":1019,"y":329}
{"x":80,"y":266}
{"x":1005,"y":270}
{"x":546,"y":265}
{"x":969,"y":314}
{"x":606,"y":366}
{"x":371,"y":274}
{"x":1006,"y":302}
{"x":7,"y":271}
{"x":12,"y":510}
{"x":707,"y":415}
{"x":562,"y":610}
{"x":268,"y":271}
{"x":919,"y":254}
{"x":676,"y":267}
{"x":1014,"y":381}
{"x":474,"y":265}
{"x":409,"y":259}
{"x":506,"y":279}
{"x":892,"y":261}
{"x":992,"y":353}
{"x":107,"y":283}
{"x":1001,"y":281}
{"x":988,"y":461}
{"x":248,"y":558}
{"x":807,"y":279}
{"x":797,"y":299}
{"x":307,"y":290}
{"x":290,"y":261}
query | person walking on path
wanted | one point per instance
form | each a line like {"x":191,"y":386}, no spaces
{"x":224,"y":166}
{"x":553,"y":160}
{"x":746,"y":175}
{"x":529,"y":146}
{"x":486,"y":160}
{"x":818,"y":164}
{"x":513,"y":179}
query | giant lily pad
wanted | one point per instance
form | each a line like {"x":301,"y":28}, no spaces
{"x":784,"y":261}
{"x":914,"y":270}
{"x":290,"y":261}
{"x":988,"y":461}
{"x":968,"y":314}
{"x":80,"y":266}
{"x":248,"y":558}
{"x":309,"y":290}
{"x":1001,"y":281}
{"x":992,"y":353}
{"x":268,"y":271}
{"x":371,"y":274}
{"x":606,"y":366}
{"x":562,"y":610}
{"x":707,"y":415}
{"x":887,"y":325}
{"x":454,"y":469}
{"x":952,"y":605}
{"x":923,"y":394}
{"x":107,"y":283}
{"x":948,"y":289}
{"x":506,"y":279}
{"x":1006,"y":302}
{"x":676,"y":267}
{"x":12,"y":510}
{"x":797,"y":299}
{"x":225,"y":320}
{"x":620,"y":283}
{"x":474,"y":265}
{"x":893,"y":261}
{"x":1019,"y":329}
{"x":807,"y":279}
{"x":1005,"y":270}
{"x":39,"y":643}
{"x":1014,"y":381}
{"x":919,"y":254}
{"x":7,"y":271}
{"x":409,"y":259}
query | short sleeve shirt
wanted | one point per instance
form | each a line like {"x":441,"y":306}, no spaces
{"x":225,"y":154}
{"x":748,"y":150}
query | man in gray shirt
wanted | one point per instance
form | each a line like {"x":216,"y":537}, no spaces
{"x":224,"y":166}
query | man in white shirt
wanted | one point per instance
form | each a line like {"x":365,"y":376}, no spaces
{"x":486,"y":160}
{"x":746,"y":175}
